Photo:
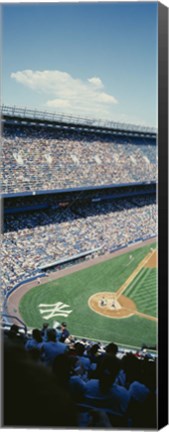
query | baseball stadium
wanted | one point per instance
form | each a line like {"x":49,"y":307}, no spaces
{"x":79,"y":247}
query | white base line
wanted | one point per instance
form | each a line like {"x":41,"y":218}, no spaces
{"x":129,"y":262}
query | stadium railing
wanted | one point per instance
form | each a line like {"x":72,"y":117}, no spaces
{"x":7,"y":320}
{"x":43,"y":115}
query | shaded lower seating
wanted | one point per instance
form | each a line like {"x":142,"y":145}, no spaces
{"x":66,"y":394}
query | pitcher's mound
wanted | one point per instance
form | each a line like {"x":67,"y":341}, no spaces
{"x":106,"y":304}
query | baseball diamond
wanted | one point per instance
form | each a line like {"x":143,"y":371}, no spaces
{"x":129,"y":316}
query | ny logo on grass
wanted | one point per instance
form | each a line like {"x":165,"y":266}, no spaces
{"x":52,"y":310}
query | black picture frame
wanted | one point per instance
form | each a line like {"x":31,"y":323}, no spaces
{"x":163,"y":215}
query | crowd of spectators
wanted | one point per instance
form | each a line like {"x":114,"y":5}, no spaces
{"x":53,"y":382}
{"x":33,"y":240}
{"x":39,"y":160}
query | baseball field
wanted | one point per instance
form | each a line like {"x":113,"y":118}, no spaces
{"x":114,"y":300}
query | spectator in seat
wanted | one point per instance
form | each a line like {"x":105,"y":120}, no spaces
{"x":52,"y":348}
{"x":58,"y":328}
{"x":44,"y":331}
{"x":104,"y":391}
{"x":63,"y":367}
{"x":83,"y":359}
{"x":111,"y":349}
{"x":142,"y":384}
{"x":35,"y":341}
{"x":14,"y":334}
{"x":65,"y":332}
{"x":68,"y":374}
{"x":93,"y":353}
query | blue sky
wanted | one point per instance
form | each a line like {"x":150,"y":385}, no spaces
{"x":92,"y":59}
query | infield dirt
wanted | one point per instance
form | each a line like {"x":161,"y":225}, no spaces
{"x":125,"y":307}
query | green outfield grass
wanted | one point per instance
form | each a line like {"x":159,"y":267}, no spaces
{"x":75,"y":289}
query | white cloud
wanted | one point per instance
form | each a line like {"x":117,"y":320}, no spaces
{"x":96,"y":82}
{"x":58,"y":103}
{"x":106,"y":98}
{"x":72,"y":95}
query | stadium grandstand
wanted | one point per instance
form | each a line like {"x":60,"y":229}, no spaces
{"x":60,"y":175}
{"x":73,"y":189}
{"x":95,"y":155}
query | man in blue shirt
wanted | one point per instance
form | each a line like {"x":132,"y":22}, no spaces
{"x":65,"y":333}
